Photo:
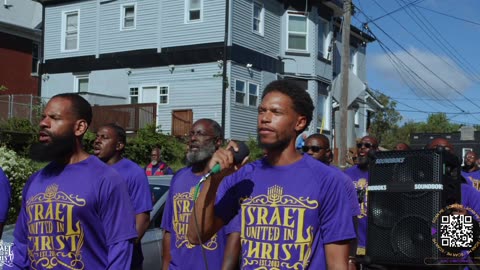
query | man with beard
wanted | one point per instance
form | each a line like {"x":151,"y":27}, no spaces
{"x":109,"y":146}
{"x":291,"y":210}
{"x":5,"y":191}
{"x":359,"y":176}
{"x":470,"y":169}
{"x":222,"y":250}
{"x":76,"y":212}
{"x":157,"y":166}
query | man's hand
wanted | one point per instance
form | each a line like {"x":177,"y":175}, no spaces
{"x":225,"y":158}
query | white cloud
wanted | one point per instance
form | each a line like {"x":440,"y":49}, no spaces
{"x":444,"y":68}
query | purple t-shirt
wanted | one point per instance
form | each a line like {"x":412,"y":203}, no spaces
{"x":175,"y":219}
{"x":71,"y":215}
{"x":360,"y":180}
{"x":5,"y":191}
{"x":471,"y":198}
{"x":285,"y":214}
{"x":139,"y":191}
{"x":351,"y":192}
{"x":473,"y":178}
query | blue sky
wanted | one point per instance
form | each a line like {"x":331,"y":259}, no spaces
{"x":436,"y":69}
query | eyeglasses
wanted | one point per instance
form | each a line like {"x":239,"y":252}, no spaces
{"x":367,"y":145}
{"x":314,"y":148}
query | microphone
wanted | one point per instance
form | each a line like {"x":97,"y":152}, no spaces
{"x":238,"y":157}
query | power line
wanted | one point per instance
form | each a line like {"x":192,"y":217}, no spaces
{"x":420,"y":62}
{"x":423,"y":43}
{"x":396,"y":10}
{"x":448,"y":15}
{"x":437,"y":38}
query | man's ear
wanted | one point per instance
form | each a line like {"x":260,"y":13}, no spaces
{"x":81,"y":126}
{"x":218,"y":142}
{"x":120,"y":146}
{"x":301,"y":123}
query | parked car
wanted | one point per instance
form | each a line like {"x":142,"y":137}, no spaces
{"x":152,"y":240}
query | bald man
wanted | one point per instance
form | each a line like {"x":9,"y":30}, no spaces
{"x":359,"y":176}
{"x":402,"y":147}
{"x":470,"y":170}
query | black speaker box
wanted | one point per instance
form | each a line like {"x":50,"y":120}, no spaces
{"x":406,"y":190}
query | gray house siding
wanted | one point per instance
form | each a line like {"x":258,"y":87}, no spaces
{"x":242,"y":33}
{"x":243,"y":121}
{"x":175,"y":32}
{"x":199,"y":91}
{"x":144,"y":36}
{"x":87,"y":29}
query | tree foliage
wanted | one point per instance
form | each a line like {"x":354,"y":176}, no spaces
{"x":385,"y":124}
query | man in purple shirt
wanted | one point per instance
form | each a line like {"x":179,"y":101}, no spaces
{"x":359,"y":176}
{"x":470,"y":170}
{"x":222,"y":251}
{"x":5,"y":193}
{"x":109,"y":146}
{"x":290,"y":209}
{"x":318,"y":147}
{"x":76,"y":212}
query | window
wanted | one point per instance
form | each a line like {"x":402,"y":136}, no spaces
{"x":324,"y":39}
{"x":258,"y":15}
{"x":297,"y":32}
{"x":163,"y":94}
{"x":81,"y":83}
{"x":252,"y":94}
{"x":353,"y":60}
{"x":70,"y":30}
{"x":356,"y":119}
{"x":193,"y":10}
{"x":239,"y":91}
{"x":35,"y":58}
{"x":134,"y":95}
{"x":128,"y":18}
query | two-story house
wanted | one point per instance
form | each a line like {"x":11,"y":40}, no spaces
{"x":178,"y":54}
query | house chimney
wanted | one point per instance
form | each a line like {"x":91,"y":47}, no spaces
{"x":467,"y":133}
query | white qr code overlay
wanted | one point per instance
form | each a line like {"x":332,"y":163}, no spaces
{"x":456,"y":231}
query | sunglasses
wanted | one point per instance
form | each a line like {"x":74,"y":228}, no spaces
{"x":367,"y":145}
{"x":314,"y":148}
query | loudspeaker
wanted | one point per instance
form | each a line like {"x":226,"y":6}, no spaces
{"x":407,"y":189}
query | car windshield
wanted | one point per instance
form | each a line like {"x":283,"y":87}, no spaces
{"x":157,"y":191}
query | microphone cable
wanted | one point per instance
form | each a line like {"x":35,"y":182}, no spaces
{"x":195,"y":196}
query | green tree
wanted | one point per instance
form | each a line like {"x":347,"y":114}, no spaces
{"x":438,"y":123}
{"x":385,"y":122}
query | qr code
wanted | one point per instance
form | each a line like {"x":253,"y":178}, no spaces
{"x":456,"y":231}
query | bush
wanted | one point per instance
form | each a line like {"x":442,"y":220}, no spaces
{"x":255,"y":151}
{"x":18,"y":170}
{"x":18,"y":134}
{"x":139,"y":148}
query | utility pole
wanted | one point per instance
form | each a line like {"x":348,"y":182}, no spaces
{"x":345,"y":67}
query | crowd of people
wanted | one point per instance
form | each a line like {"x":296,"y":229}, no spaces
{"x":289,"y":210}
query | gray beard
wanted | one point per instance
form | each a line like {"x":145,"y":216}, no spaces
{"x":203,"y":154}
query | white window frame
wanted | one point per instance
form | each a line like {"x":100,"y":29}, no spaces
{"x":187,"y":12}
{"x":353,"y":60}
{"x":244,"y":91}
{"x":297,"y":33}
{"x":356,"y":118}
{"x":163,"y":95}
{"x":130,"y":94}
{"x":261,"y":20}
{"x":76,"y":82}
{"x":256,"y":95}
{"x":63,"y":35}
{"x":122,"y":16}
{"x":326,"y":38}
{"x":35,"y":62}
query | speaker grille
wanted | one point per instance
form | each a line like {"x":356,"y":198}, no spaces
{"x":400,"y":220}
